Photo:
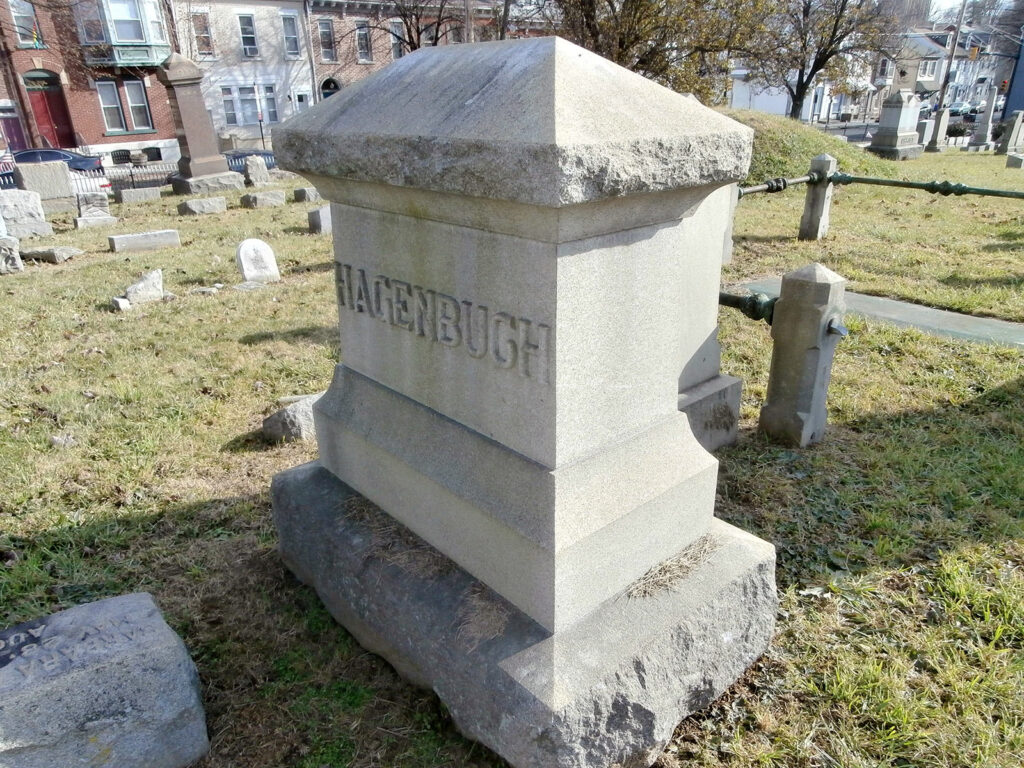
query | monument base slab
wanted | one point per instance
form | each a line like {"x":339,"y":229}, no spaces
{"x":986,"y":146}
{"x":713,"y":408}
{"x":909,"y":152}
{"x":204,"y":185}
{"x":608,"y":690}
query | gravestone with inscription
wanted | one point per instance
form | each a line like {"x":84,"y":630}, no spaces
{"x":106,"y":683}
{"x":531,"y":259}
{"x":93,"y":210}
{"x":256,"y":261}
{"x":897,"y":137}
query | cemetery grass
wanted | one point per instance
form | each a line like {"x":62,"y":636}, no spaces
{"x":965,"y":254}
{"x":900,"y":638}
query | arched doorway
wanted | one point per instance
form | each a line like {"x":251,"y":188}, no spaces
{"x":46,"y":97}
{"x":329,"y":87}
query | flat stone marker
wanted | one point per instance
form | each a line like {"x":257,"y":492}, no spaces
{"x":10,"y":259}
{"x":22,"y":211}
{"x":256,"y":262}
{"x":320,"y":220}
{"x":145,"y":241}
{"x":513,"y":332}
{"x":142,"y":195}
{"x":52,"y":254}
{"x":201,"y":206}
{"x":271,"y":198}
{"x":307,"y":195}
{"x":105,"y":683}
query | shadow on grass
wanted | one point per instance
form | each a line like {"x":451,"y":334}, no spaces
{"x":282,"y":683}
{"x":326,"y":266}
{"x":767,"y":238}
{"x":297,"y":231}
{"x":1003,"y":281}
{"x":317,"y":334}
{"x":882,"y":493}
{"x":249,"y":442}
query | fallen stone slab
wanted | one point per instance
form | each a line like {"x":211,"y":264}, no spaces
{"x":52,"y":180}
{"x":10,"y":258}
{"x":249,"y":285}
{"x":145,"y":241}
{"x":294,"y":421}
{"x":205,"y":185}
{"x":52,"y":254}
{"x":307,"y":195}
{"x":105,"y":683}
{"x":271,"y":198}
{"x":150,"y":287}
{"x":256,"y":261}
{"x":145,"y":194}
{"x":88,"y":222}
{"x":202,"y":206}
{"x":120,"y":304}
{"x":22,"y":212}
{"x":320,"y":220}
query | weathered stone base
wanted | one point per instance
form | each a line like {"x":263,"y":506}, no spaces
{"x":204,"y":185}
{"x":986,"y":146}
{"x":898,"y":153}
{"x":713,"y":409}
{"x":607,"y":691}
{"x":87,"y":222}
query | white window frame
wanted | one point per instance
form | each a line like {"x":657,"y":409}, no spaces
{"x":294,"y":19}
{"x":110,"y":86}
{"x":271,"y":113}
{"x":320,"y":37}
{"x":248,"y":51}
{"x":138,"y":20}
{"x":926,"y":70}
{"x":26,"y":34}
{"x":209,"y":33}
{"x":89,"y":15}
{"x":249,"y":102}
{"x":397,"y":44}
{"x":155,"y":24}
{"x":138,"y":105}
{"x":364,"y":33}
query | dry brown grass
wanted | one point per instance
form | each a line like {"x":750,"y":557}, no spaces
{"x":668,"y":574}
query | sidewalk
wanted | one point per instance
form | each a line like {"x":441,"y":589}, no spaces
{"x":936,"y":321}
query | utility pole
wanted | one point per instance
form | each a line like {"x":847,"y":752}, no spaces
{"x":933,"y":143}
{"x":468,"y":34}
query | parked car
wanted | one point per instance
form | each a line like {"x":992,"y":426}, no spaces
{"x":960,"y":108}
{"x":75,"y":161}
{"x":977,"y":109}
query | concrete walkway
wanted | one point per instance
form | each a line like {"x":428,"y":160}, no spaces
{"x":937,"y":321}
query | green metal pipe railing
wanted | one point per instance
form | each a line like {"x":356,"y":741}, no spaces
{"x":756,"y":306}
{"x":934,"y":187}
{"x":780,"y":184}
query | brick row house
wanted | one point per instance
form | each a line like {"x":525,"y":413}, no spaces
{"x":81,"y":75}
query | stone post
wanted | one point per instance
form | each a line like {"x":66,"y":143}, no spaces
{"x":896,"y":137}
{"x":528,"y":245}
{"x":982,"y":138}
{"x":1011,"y":139}
{"x":202,"y":168}
{"x":806,"y":326}
{"x":818,"y":203}
{"x":937,"y":142}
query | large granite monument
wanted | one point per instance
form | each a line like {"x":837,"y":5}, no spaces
{"x":202,"y":169}
{"x":528,"y":244}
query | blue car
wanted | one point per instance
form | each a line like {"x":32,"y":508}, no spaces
{"x":75,"y":161}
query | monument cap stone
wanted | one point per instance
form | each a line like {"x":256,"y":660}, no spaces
{"x":479,"y":120}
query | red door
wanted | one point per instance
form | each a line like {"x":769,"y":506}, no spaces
{"x":50,"y":110}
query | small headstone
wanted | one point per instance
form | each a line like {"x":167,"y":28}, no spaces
{"x":1011,"y":139}
{"x":120,"y":304}
{"x":51,"y":180}
{"x":145,"y":241}
{"x":981,"y":140}
{"x":52,"y":254}
{"x":1014,"y":160}
{"x":201,"y":206}
{"x":87,"y":222}
{"x":10,"y":259}
{"x":269,"y":199}
{"x":22,"y":211}
{"x":256,"y":174}
{"x":320,"y":221}
{"x":137,"y":195}
{"x":149,"y":288}
{"x":93,"y":204}
{"x":294,"y":421}
{"x":307,"y":195}
{"x":897,"y":138}
{"x":105,"y":683}
{"x":256,"y":262}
